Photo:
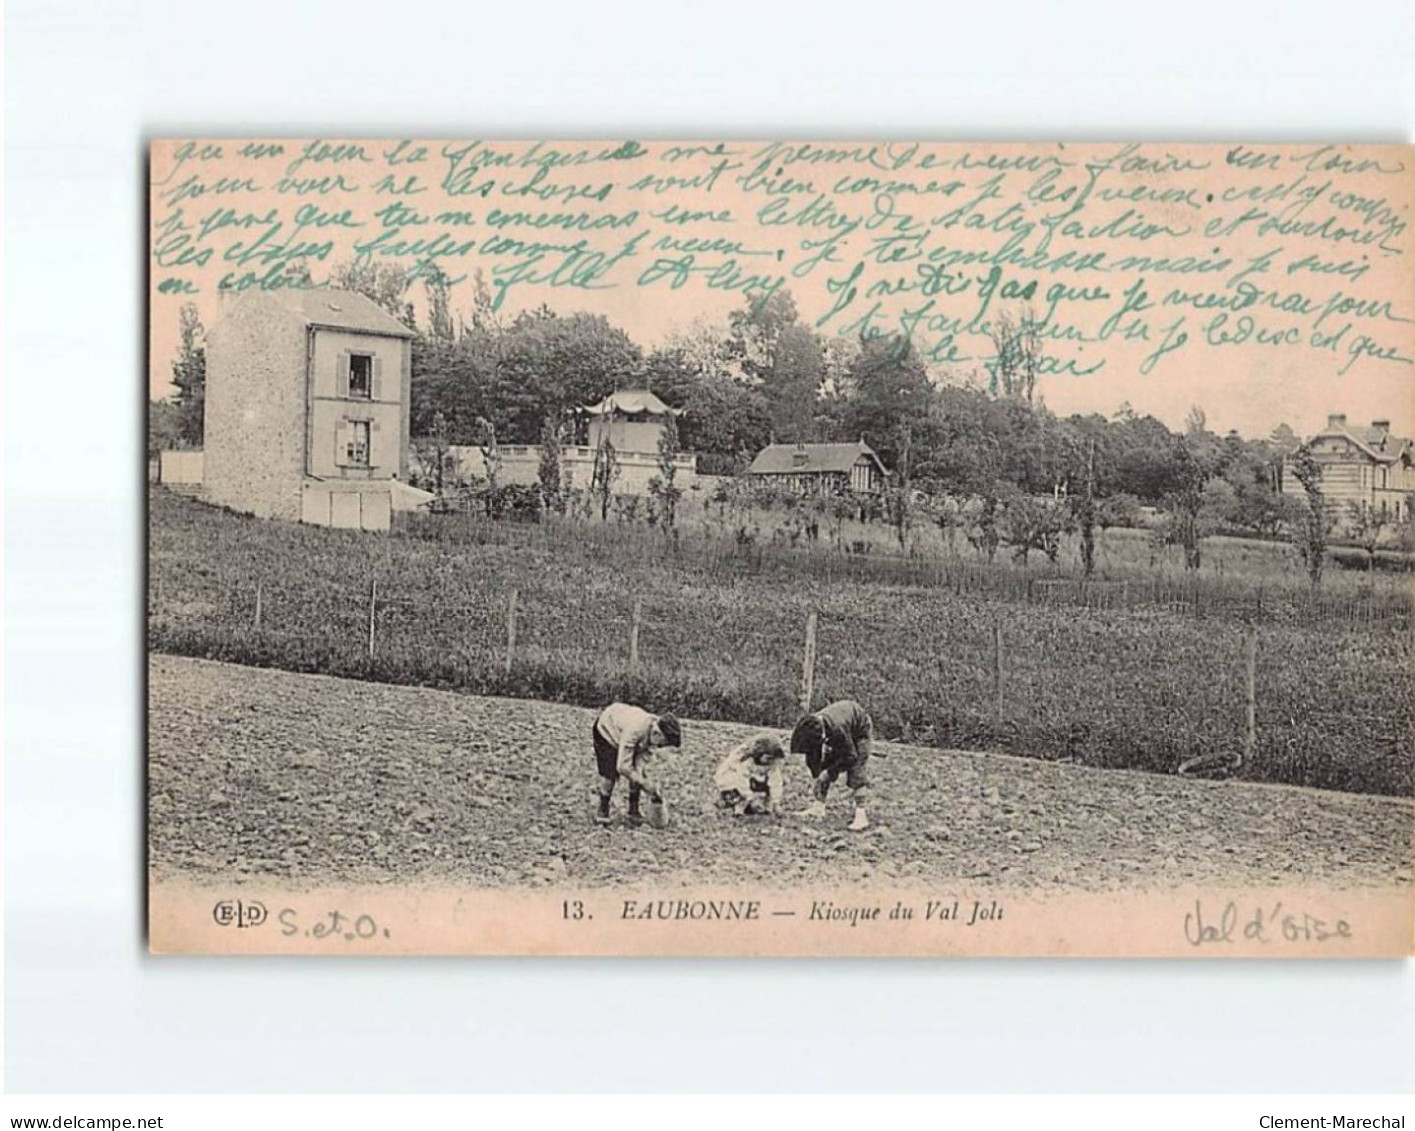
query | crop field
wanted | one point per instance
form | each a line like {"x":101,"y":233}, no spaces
{"x":1138,"y":670}
{"x":310,"y":780}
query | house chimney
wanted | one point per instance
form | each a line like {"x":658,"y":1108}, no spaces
{"x":1336,"y":420}
{"x":1380,"y":427}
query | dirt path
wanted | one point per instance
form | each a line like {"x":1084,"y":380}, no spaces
{"x":308,"y":778}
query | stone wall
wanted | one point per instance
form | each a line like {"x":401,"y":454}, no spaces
{"x":520,"y":464}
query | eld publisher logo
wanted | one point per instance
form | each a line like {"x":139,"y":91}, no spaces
{"x":234,"y":913}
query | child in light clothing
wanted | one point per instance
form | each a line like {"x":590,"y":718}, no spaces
{"x":749,"y":780}
{"x":625,"y":738}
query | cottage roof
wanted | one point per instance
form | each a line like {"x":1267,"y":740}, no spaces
{"x":808,"y":459}
{"x":342,"y":310}
{"x":1379,"y":445}
{"x":631,"y":402}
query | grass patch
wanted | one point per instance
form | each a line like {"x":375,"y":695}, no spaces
{"x":1139,"y":670}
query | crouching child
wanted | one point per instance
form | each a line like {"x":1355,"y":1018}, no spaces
{"x":625,"y":738}
{"x":836,"y":740}
{"x":749,"y":780}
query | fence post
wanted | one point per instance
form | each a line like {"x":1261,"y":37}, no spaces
{"x":997,"y":671}
{"x":257,"y":604}
{"x":634,"y":635}
{"x":808,"y":665}
{"x":1250,"y":691}
{"x":511,"y":630}
{"x":372,"y":612}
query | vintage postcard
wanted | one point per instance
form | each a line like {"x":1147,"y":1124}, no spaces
{"x":638,"y":547}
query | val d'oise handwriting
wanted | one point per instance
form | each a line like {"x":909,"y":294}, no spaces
{"x":1260,"y":924}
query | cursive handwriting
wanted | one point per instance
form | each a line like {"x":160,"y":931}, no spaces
{"x":1260,"y":924}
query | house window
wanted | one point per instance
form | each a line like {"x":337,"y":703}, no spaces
{"x":356,"y":443}
{"x":361,"y":376}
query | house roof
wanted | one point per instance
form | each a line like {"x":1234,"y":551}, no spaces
{"x":343,"y":310}
{"x":1382,"y":447}
{"x":631,"y":402}
{"x":821,"y":459}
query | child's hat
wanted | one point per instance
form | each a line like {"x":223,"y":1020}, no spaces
{"x":807,"y":735}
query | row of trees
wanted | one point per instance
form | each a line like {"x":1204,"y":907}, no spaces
{"x":1026,"y":474}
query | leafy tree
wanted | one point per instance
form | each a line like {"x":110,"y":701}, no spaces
{"x":548,"y":364}
{"x":755,"y":329}
{"x":981,"y":525}
{"x":1365,"y":525}
{"x":793,"y":383}
{"x":1121,"y":509}
{"x":551,"y":467}
{"x":439,"y":306}
{"x":1192,"y":506}
{"x":164,"y":428}
{"x":490,"y":454}
{"x":1311,"y":533}
{"x":381,"y":282}
{"x":1017,"y":355}
{"x":725,"y":420}
{"x":782,"y":358}
{"x":664,"y":492}
{"x":1029,"y":523}
{"x":189,"y":376}
{"x":603,"y":475}
{"x":436,"y":458}
{"x":888,"y":400}
{"x":1084,"y":512}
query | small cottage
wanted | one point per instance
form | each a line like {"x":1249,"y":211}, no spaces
{"x":307,"y":408}
{"x":820,"y":468}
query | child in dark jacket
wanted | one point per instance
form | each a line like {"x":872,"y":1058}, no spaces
{"x":835,"y":740}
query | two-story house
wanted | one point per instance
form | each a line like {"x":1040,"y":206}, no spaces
{"x":307,"y":407}
{"x":1369,"y":467}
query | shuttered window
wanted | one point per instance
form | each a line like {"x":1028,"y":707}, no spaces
{"x":341,"y":374}
{"x":351,"y":443}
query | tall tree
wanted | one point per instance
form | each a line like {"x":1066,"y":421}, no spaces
{"x":1017,"y":355}
{"x":189,"y":375}
{"x":603,"y":474}
{"x":383,"y":283}
{"x":664,"y":492}
{"x":784,"y":359}
{"x":1187,"y":501}
{"x":549,"y":364}
{"x":550,"y":470}
{"x":441,"y":328}
{"x":888,"y":399}
{"x":1311,"y":534}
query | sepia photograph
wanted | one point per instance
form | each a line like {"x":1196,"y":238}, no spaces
{"x":780,"y":548}
{"x":673,"y":542}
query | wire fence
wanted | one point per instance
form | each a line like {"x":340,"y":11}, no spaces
{"x":1042,"y":667}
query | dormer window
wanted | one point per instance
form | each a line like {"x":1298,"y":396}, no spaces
{"x":361,"y":376}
